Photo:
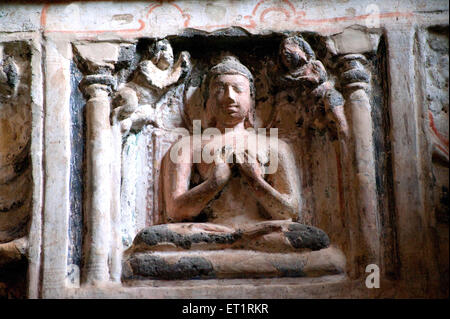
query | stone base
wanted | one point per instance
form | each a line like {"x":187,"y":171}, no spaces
{"x":232,"y":264}
{"x":324,"y":287}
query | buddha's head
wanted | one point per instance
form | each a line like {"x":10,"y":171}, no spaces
{"x":229,"y":93}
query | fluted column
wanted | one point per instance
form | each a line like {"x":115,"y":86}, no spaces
{"x":360,"y":171}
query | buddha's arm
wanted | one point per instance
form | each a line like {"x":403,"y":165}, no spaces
{"x":183,"y":203}
{"x":279,"y":195}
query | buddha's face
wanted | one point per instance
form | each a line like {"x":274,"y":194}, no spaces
{"x":229,"y":99}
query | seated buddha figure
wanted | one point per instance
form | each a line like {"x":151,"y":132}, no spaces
{"x":231,"y":198}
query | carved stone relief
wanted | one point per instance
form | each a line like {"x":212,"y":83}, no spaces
{"x":318,"y":100}
{"x":15,"y":169}
{"x":350,"y":103}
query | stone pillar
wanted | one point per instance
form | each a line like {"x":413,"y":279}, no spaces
{"x":97,"y":89}
{"x":360,"y":166}
{"x":116,"y":181}
{"x":97,"y":61}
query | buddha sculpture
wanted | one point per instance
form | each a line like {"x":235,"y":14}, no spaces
{"x":231,"y":198}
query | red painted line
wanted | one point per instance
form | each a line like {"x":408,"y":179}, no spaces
{"x":290,"y":5}
{"x":266,"y":11}
{"x":252,"y":24}
{"x":186,"y":16}
{"x":188,"y":19}
{"x":435,"y":131}
{"x":44,"y":15}
{"x":273,"y":8}
{"x":306,"y":22}
{"x":178,"y":7}
{"x":152,"y":8}
{"x":257,"y":5}
{"x":442,"y":149}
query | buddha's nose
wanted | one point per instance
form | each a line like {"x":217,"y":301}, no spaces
{"x":230,"y":95}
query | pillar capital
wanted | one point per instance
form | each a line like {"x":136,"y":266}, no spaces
{"x":354,"y":74}
{"x":92,"y":85}
{"x":97,"y":57}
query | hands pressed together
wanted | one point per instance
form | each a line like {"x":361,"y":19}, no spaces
{"x":248,"y":167}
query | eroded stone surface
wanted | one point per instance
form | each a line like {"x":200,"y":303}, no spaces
{"x":232,"y":264}
{"x":15,"y":129}
{"x":160,"y":236}
{"x":436,"y":97}
{"x":148,"y":266}
{"x":16,"y":184}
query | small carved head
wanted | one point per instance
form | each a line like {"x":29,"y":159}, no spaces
{"x":161,"y":54}
{"x":229,"y":93}
{"x":295,"y":52}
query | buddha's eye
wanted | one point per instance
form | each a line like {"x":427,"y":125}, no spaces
{"x":238,"y":89}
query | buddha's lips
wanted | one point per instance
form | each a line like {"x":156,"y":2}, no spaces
{"x":231,"y":109}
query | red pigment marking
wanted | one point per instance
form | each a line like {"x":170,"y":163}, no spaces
{"x":442,"y":149}
{"x":44,"y":15}
{"x":256,"y":7}
{"x":152,"y":8}
{"x":300,"y":14}
{"x":186,"y":16}
{"x":261,"y":2}
{"x":290,"y":5}
{"x":434,"y":129}
{"x":178,"y":7}
{"x":305,"y":22}
{"x":266,"y":11}
{"x":188,"y":19}
{"x":252,"y":24}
